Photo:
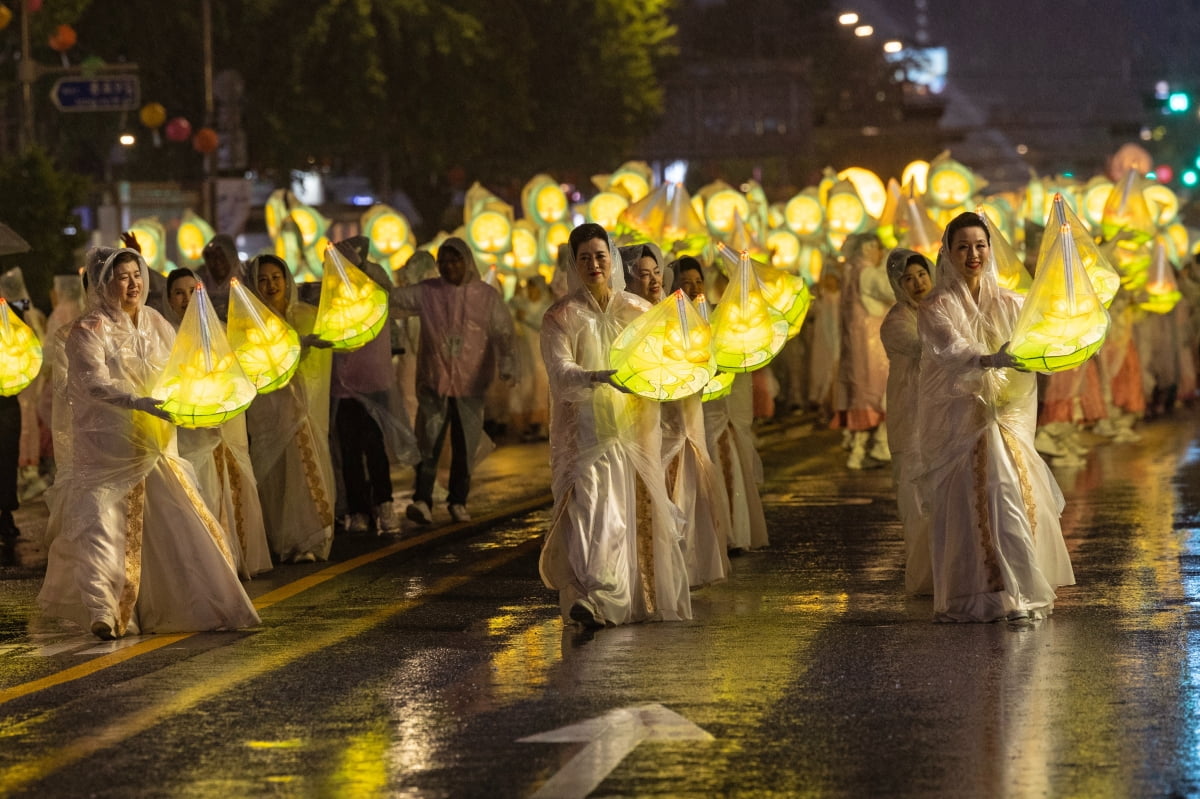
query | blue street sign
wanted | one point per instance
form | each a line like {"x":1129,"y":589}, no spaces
{"x":106,"y":93}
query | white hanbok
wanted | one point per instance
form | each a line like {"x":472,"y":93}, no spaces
{"x":994,"y":506}
{"x":728,"y":427}
{"x":614,"y":541}
{"x":137,"y":549}
{"x":289,"y":444}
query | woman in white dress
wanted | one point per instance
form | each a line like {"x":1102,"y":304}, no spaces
{"x":289,"y":430}
{"x":996,"y":545}
{"x":138,"y":550}
{"x":911,"y":275}
{"x":613,"y":549}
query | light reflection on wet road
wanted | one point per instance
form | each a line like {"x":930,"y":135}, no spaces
{"x":416,"y":674}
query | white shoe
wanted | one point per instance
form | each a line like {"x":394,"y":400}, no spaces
{"x":459,"y":513}
{"x":386,"y":520}
{"x":359,"y":523}
{"x":1047,"y":444}
{"x":419,"y":512}
{"x":305,"y":557}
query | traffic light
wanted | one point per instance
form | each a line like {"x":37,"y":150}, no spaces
{"x":1178,"y":102}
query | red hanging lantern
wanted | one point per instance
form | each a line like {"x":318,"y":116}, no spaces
{"x":179,"y":129}
{"x":63,"y":39}
{"x":206,"y":141}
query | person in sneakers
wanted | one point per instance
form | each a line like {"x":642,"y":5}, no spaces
{"x":911,"y":275}
{"x":363,"y":391}
{"x":466,"y":338}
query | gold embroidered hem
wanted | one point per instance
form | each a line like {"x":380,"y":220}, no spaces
{"x":644,"y":519}
{"x":983,"y":517}
{"x":312,"y":474}
{"x":227,"y":463}
{"x":210,"y":522}
{"x":1023,"y":477}
{"x":135,"y":506}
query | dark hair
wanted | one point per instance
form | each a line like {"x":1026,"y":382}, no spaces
{"x":176,"y":274}
{"x":917,"y":258}
{"x":687,"y":264}
{"x":965,"y":220}
{"x":586,"y":232}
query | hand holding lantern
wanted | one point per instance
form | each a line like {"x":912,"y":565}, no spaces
{"x":20,"y":352}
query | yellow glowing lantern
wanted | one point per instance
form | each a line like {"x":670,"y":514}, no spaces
{"x":916,"y":174}
{"x":632,"y":178}
{"x":747,"y":331}
{"x":1033,"y":206}
{"x":775,"y":218}
{"x":741,"y":238}
{"x":550,"y":239}
{"x":525,"y":246}
{"x":666,"y":217}
{"x":544,"y":200}
{"x":1164,"y":204}
{"x":1010,"y":269}
{"x":310,"y":222}
{"x":490,"y":232}
{"x":1126,"y":210}
{"x":1104,"y":278}
{"x":666,"y":353}
{"x":274,"y":213}
{"x":605,"y":209}
{"x":722,"y":382}
{"x":804,"y":213}
{"x":869,"y":187}
{"x":388,"y":231}
{"x":721,"y":208}
{"x":1091,"y":204}
{"x":266,"y":347}
{"x":1178,"y":242}
{"x":151,"y":239}
{"x":1062,"y":322}
{"x":20,"y":352}
{"x":844,"y":213}
{"x":915,"y":229}
{"x":998,"y":210}
{"x":353,"y":308}
{"x":1161,"y":289}
{"x":202,"y":385}
{"x":191,"y":237}
{"x":949,"y":183}
{"x":811,"y":263}
{"x":784,"y":246}
{"x":783,"y":291}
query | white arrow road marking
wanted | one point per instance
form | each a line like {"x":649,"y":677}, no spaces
{"x":610,"y":738}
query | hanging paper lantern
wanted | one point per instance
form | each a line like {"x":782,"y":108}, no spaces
{"x":191,"y":237}
{"x":870,"y":188}
{"x":266,"y":347}
{"x":1126,"y":210}
{"x":152,"y":243}
{"x":804,"y":213}
{"x":1062,"y":322}
{"x":353,"y":307}
{"x":275,"y":211}
{"x":206,"y":141}
{"x":549,"y":240}
{"x":390,"y":234}
{"x":665,"y":353}
{"x":1161,"y":289}
{"x":525,"y":247}
{"x":632,"y":178}
{"x":1104,"y":278}
{"x":747,"y":331}
{"x":202,"y":384}
{"x":63,"y":39}
{"x":20,"y":352}
{"x":1164,"y":204}
{"x":1011,"y":273}
{"x":490,"y":232}
{"x":178,"y":129}
{"x":153,"y":115}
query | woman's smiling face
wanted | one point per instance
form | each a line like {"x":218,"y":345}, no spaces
{"x":969,"y":252}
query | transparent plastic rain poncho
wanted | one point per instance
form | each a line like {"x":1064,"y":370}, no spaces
{"x":611,"y":510}
{"x":202,"y":384}
{"x":20,"y":352}
{"x":1011,"y":273}
{"x":136,"y":545}
{"x":986,"y":489}
{"x":289,"y":439}
{"x":866,"y":296}
{"x":902,"y":343}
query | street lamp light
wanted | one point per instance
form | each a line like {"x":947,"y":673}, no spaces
{"x":863,"y":31}
{"x":127,"y":139}
{"x":893,"y":46}
{"x":848,"y":18}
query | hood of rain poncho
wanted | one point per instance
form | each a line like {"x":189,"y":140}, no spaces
{"x":897,"y":265}
{"x":100,"y":264}
{"x":632,"y":253}
{"x":616,"y":276}
{"x":12,"y":285}
{"x":290,"y":280}
{"x":165,"y":307}
{"x":854,"y":243}
{"x":989,"y":323}
{"x":226,"y":244}
{"x":421,"y":265}
{"x":468,"y":256}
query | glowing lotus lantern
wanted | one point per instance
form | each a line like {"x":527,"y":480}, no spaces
{"x":202,"y":385}
{"x":543,"y":200}
{"x":1104,"y":278}
{"x":1161,"y":289}
{"x":916,"y":229}
{"x":666,"y":353}
{"x":266,"y":347}
{"x":1126,"y":210}
{"x":1178,"y":242}
{"x":844,"y":213}
{"x":720,"y":209}
{"x":549,"y":240}
{"x":722,"y":382}
{"x":1093,"y":199}
{"x":1164,"y":204}
{"x":783,"y":291}
{"x":741,"y":238}
{"x":949,"y":184}
{"x":1010,"y":269}
{"x":353,"y":308}
{"x":525,"y":247}
{"x":747,"y":331}
{"x":917,"y":175}
{"x":1000,"y":212}
{"x":1062,"y":322}
{"x":606,"y":208}
{"x":665,"y":216}
{"x":390,"y":234}
{"x":274,"y":212}
{"x":20,"y":352}
{"x":151,"y":239}
{"x":784,"y":246}
{"x":804,"y":214}
{"x":869,"y":187}
{"x":191,"y":237}
{"x":632,"y":179}
{"x":886,"y":231}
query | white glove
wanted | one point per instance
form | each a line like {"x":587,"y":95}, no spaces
{"x":151,"y":406}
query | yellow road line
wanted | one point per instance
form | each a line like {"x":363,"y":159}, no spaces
{"x":17,"y":777}
{"x":265,"y":601}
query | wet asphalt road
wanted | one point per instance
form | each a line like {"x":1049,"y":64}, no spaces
{"x":414,"y":667}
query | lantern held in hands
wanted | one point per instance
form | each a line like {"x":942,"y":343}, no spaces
{"x":1104,"y":278}
{"x":666,"y":353}
{"x":1011,"y":273}
{"x":1161,"y":289}
{"x":20,"y":352}
{"x":1063,"y":322}
{"x":353,"y":307}
{"x":747,"y":331}
{"x":266,"y":347}
{"x":783,"y":291}
{"x":202,"y":384}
